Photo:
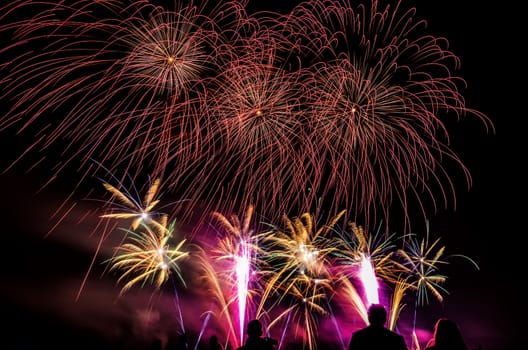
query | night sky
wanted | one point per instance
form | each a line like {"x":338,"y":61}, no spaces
{"x":42,"y":274}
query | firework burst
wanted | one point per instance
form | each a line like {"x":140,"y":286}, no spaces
{"x":119,"y":82}
{"x":421,"y":261}
{"x":362,"y":263}
{"x":333,"y":104}
{"x":419,"y":265}
{"x":236,"y":256}
{"x":329,"y":106}
{"x":256,"y":128}
{"x":379,"y":94}
{"x":147,"y":257}
{"x":299,"y":257}
{"x":130,"y":208}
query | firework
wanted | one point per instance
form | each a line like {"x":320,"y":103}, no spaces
{"x":330,"y":105}
{"x":256,"y":126}
{"x":299,"y":257}
{"x":236,"y":255}
{"x":119,"y":82}
{"x":147,"y":257}
{"x":378,"y":96}
{"x":139,"y":211}
{"x":419,"y":264}
{"x":422,"y":262}
{"x":366,"y":261}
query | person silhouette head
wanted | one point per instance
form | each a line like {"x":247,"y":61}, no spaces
{"x":377,"y":315}
{"x":447,"y":335}
{"x":254,"y":340}
{"x":214,"y":344}
{"x":156,"y":344}
{"x":376,"y":335}
{"x":254,"y":328}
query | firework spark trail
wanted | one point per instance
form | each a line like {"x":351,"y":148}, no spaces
{"x":146,"y":257}
{"x":357,"y":250}
{"x":125,"y":78}
{"x":400,"y":288}
{"x":238,"y":247}
{"x":177,"y":304}
{"x":208,"y":273}
{"x":204,"y":326}
{"x":299,"y":258}
{"x":336,"y":326}
{"x":353,"y":298}
{"x":368,"y":278}
{"x":332,"y":103}
{"x":330,"y":106}
{"x":285,"y":330}
{"x":380,"y":90}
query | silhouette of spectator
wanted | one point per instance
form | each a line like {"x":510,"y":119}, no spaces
{"x":254,"y":340}
{"x":214,"y":344}
{"x":183,"y":342}
{"x":178,"y":342}
{"x":172,"y":342}
{"x":156,"y":344}
{"x":376,"y":336}
{"x":446,"y":336}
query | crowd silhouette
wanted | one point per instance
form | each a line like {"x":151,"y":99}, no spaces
{"x":446,"y":335}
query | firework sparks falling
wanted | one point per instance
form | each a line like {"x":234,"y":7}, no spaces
{"x":299,"y":256}
{"x":363,"y":263}
{"x":378,"y":97}
{"x":147,"y":257}
{"x":139,"y":211}
{"x":326,"y":107}
{"x":330,"y":103}
{"x":238,"y":245}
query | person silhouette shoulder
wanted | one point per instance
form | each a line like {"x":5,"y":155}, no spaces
{"x":446,"y":336}
{"x":214,"y":344}
{"x":254,"y":340}
{"x":376,"y":336}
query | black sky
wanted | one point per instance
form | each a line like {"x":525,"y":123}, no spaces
{"x":41,"y":275}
